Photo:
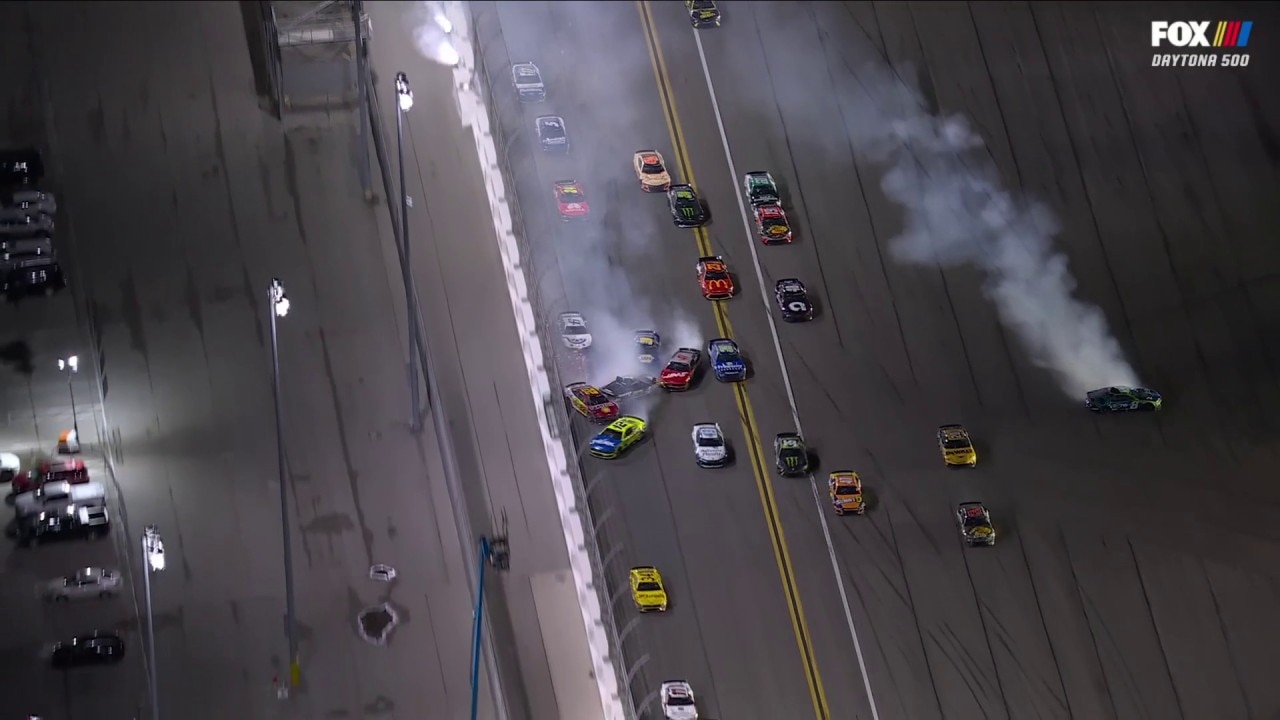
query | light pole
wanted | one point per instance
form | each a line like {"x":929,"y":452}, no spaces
{"x":153,"y":562}
{"x":71,"y":366}
{"x":404,"y":97}
{"x":279,"y":302}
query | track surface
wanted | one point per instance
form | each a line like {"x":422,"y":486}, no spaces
{"x":1135,"y":576}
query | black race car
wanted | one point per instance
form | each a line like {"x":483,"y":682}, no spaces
{"x":1123,"y":399}
{"x":703,"y":13}
{"x":793,"y":300}
{"x":790,"y":455}
{"x":552,"y":135}
{"x":625,"y":386}
{"x":686,"y":208}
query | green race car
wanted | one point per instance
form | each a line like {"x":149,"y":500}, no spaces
{"x":686,"y":207}
{"x":1123,"y":399}
{"x":791,"y":456}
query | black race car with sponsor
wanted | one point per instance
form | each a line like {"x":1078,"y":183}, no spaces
{"x":793,"y":300}
{"x":687,"y":210}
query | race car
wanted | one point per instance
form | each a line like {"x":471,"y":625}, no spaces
{"x":574,"y":332}
{"x":714,"y":278}
{"x":790,"y":455}
{"x":845,"y":489}
{"x":1123,"y":399}
{"x":760,"y":189}
{"x":647,"y":590}
{"x":571,"y":201}
{"x":629,"y":386}
{"x":709,"y":448}
{"x":793,"y":300}
{"x":590,"y":402}
{"x":686,"y":208}
{"x":772,"y":225}
{"x":527,"y":80}
{"x":726,"y":361}
{"x":956,"y":447}
{"x":703,"y":13}
{"x":681,"y":370}
{"x":617,"y":437}
{"x":975,"y":524}
{"x":647,"y":344}
{"x":552,"y":135}
{"x":651,"y":171}
{"x":677,"y":701}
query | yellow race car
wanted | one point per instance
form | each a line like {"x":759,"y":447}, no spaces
{"x":617,"y":437}
{"x":956,"y":447}
{"x":647,"y":590}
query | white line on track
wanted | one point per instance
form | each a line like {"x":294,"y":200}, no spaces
{"x":786,"y":375}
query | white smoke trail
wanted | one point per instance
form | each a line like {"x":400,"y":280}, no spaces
{"x":432,"y":31}
{"x":956,"y":213}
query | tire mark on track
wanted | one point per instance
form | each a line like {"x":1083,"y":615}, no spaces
{"x":1226,"y":640}
{"x":986,"y":633}
{"x":1164,"y":652}
{"x":1044,"y":625}
{"x":915,"y":616}
{"x":1085,"y":604}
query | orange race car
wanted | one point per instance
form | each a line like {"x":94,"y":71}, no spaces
{"x":845,"y":489}
{"x":714,"y":279}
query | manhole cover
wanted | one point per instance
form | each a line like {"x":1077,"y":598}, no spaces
{"x":376,"y":623}
{"x":382,"y":573}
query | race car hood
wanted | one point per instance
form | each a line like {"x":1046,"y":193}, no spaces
{"x":573,"y":207}
{"x":577,"y":341}
{"x":675,"y":375}
{"x":711,"y":454}
{"x":729,"y":365}
{"x":651,"y":598}
{"x":982,"y":531}
{"x":606,"y":443}
{"x":661,"y":178}
{"x":603,"y":411}
{"x":959,"y":453}
{"x":848,"y":501}
{"x":680,"y":712}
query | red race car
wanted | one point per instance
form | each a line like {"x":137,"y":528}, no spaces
{"x":680,"y":370}
{"x":772,"y":225}
{"x":72,"y":471}
{"x":714,"y":279}
{"x":591,"y":403}
{"x":571,"y":201}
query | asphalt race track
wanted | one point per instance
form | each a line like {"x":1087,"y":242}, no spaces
{"x":1135,"y":575}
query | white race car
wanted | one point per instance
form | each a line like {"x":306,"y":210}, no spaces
{"x":677,"y":701}
{"x":709,"y":448}
{"x":574,"y":332}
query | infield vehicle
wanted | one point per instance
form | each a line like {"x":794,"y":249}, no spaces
{"x":647,"y":590}
{"x":790,"y":455}
{"x":32,"y":276}
{"x":793,"y":300}
{"x":703,"y":13}
{"x":571,"y":200}
{"x":771,"y":224}
{"x":760,"y":189}
{"x":956,"y":446}
{"x":681,"y":370}
{"x":527,"y":79}
{"x":629,"y":386}
{"x":73,"y":522}
{"x":648,"y":343}
{"x":714,"y":278}
{"x":70,"y":470}
{"x":1123,"y":399}
{"x":574,"y":331}
{"x":26,"y":226}
{"x":726,"y":360}
{"x":95,"y":648}
{"x":618,"y":437}
{"x":552,"y":135}
{"x":677,"y":700}
{"x":651,"y":171}
{"x":709,"y":447}
{"x":975,"y":524}
{"x":40,"y":201}
{"x":845,"y":490}
{"x":590,"y":402}
{"x":59,"y":495}
{"x":687,"y":210}
{"x":85,"y":583}
{"x":20,"y":166}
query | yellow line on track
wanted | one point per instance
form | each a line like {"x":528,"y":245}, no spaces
{"x":764,"y":480}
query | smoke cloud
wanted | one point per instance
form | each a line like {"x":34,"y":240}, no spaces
{"x":432,"y":33}
{"x":957,"y":213}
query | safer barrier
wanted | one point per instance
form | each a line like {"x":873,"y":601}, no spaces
{"x":473,"y":95}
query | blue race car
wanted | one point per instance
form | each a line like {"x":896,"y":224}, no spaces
{"x":726,"y":360}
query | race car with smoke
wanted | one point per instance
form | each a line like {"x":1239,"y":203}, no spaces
{"x":726,"y":360}
{"x":687,"y":210}
{"x":844,"y":487}
{"x":975,"y":524}
{"x":709,"y":447}
{"x":574,"y":332}
{"x":651,"y":171}
{"x":703,"y":13}
{"x":793,"y":300}
{"x":571,"y":201}
{"x":714,"y":278}
{"x":629,"y":386}
{"x":772,"y":225}
{"x":956,"y":446}
{"x":527,"y":79}
{"x":681,"y":370}
{"x":590,"y":402}
{"x":790,"y":455}
{"x":760,"y":189}
{"x":1123,"y":399}
{"x":618,"y":437}
{"x":648,"y":343}
{"x":552,"y":135}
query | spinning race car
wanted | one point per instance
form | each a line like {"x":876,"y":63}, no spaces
{"x":590,"y":402}
{"x":714,"y":278}
{"x":1123,"y":399}
{"x":574,"y":332}
{"x":681,"y":370}
{"x":629,"y":386}
{"x":651,"y":171}
{"x":648,"y":343}
{"x":571,"y":201}
{"x":617,"y":437}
